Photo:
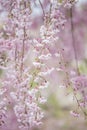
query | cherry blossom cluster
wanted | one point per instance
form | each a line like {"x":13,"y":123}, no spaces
{"x":50,"y":34}
{"x":19,"y":88}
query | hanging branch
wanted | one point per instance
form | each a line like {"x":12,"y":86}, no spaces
{"x":23,"y":45}
{"x":76,"y":58}
{"x":73,"y":40}
{"x":42,"y":8}
{"x":50,"y":12}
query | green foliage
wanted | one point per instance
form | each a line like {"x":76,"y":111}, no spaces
{"x":53,"y":106}
{"x":0,"y":72}
{"x":83,"y":68}
{"x":60,"y":1}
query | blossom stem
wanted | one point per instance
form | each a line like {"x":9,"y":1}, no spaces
{"x":23,"y":48}
{"x":15,"y":56}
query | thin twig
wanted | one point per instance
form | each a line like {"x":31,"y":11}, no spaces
{"x":85,"y":114}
